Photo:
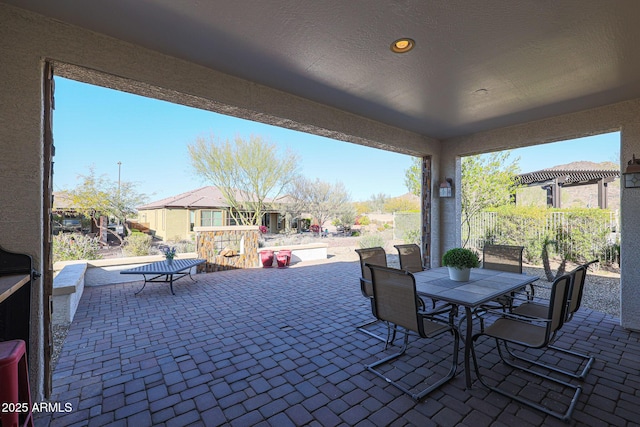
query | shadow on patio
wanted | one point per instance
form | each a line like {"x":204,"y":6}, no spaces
{"x":279,"y":347}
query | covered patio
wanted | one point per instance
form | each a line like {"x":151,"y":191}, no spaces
{"x":279,"y":347}
{"x":482,"y":77}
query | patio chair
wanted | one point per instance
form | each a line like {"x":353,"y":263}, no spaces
{"x":396,"y":302}
{"x":536,"y":334}
{"x":504,"y":258}
{"x":410,"y":257}
{"x":537,"y":309}
{"x":411,"y":261}
{"x":373,"y":256}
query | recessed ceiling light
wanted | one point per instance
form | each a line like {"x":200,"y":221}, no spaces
{"x":402,"y":45}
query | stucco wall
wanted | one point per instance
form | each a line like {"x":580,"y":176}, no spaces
{"x":21,"y":165}
{"x":177,"y":224}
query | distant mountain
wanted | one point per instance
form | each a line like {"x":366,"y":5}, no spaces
{"x":584,"y":165}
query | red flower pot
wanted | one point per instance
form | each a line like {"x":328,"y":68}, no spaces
{"x":282,"y":260}
{"x":266,"y":257}
{"x":286,"y":252}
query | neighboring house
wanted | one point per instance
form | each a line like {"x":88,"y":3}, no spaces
{"x":175,"y":217}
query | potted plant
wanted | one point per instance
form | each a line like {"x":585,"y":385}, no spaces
{"x":460,"y":262}
{"x":169,"y":254}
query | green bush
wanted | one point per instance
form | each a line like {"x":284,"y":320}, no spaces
{"x":364,"y":220}
{"x":412,"y":236}
{"x":75,"y":246}
{"x":460,"y":258}
{"x":578,"y":234}
{"x":371,"y":241}
{"x":137,"y":244}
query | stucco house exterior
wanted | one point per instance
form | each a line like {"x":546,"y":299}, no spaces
{"x":175,"y":217}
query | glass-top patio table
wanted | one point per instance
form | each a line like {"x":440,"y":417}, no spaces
{"x":483,"y":286}
{"x":164,"y":271}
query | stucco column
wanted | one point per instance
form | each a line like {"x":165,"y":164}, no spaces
{"x":630,"y":231}
{"x":21,"y":174}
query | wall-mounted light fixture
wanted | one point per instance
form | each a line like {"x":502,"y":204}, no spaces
{"x":445,"y":189}
{"x":632,"y":174}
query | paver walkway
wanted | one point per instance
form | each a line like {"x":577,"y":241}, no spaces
{"x":278,"y":347}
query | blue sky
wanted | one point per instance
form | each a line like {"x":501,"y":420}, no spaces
{"x":101,"y":127}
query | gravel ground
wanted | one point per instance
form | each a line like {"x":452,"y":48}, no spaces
{"x":602,"y":288}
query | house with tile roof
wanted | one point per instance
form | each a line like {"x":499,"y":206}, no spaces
{"x":175,"y":217}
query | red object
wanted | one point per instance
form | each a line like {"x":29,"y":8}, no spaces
{"x":286,"y":252}
{"x":283,"y":260}
{"x":266,"y":257}
{"x":15,"y":396}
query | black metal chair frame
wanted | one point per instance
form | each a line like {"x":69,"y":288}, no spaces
{"x":557,"y":310}
{"x":365,"y":281}
{"x":505,"y":302}
{"x":417,"y":324}
{"x":578,"y":276}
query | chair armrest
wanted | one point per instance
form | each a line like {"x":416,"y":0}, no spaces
{"x":518,"y":317}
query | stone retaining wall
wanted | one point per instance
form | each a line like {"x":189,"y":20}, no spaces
{"x":227,"y":248}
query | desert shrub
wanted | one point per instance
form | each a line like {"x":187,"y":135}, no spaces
{"x":181,"y":246}
{"x":573,"y":234}
{"x":75,"y":246}
{"x":363,"y":220}
{"x":412,"y":236}
{"x":371,"y":241}
{"x":137,"y":244}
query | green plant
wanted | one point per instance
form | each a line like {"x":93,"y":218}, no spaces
{"x":412,"y":236}
{"x":363,"y":220}
{"x":169,"y":252}
{"x":460,"y":258}
{"x":371,"y":241}
{"x":75,"y":246}
{"x":137,"y":244}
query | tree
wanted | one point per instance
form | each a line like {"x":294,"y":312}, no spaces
{"x":247,"y":172}
{"x":362,"y":207}
{"x":488,"y":180}
{"x":347,"y":217}
{"x":320,"y":199}
{"x":401,"y":204}
{"x":377,"y":202}
{"x":99,"y":196}
{"x":413,"y":177}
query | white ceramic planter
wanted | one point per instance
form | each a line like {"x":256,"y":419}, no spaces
{"x":459,"y":274}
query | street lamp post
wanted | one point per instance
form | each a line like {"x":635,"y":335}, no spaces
{"x":119,"y":168}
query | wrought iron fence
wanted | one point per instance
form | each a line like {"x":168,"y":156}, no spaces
{"x":603,"y":236}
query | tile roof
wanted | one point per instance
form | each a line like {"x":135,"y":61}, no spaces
{"x":567,"y":177}
{"x":205,"y":197}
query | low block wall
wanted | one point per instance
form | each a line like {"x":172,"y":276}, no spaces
{"x":68,"y":286}
{"x":307,"y":252}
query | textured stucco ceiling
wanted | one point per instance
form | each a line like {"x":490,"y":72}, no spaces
{"x":477,"y":65}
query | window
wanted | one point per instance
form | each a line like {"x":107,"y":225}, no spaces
{"x":210,"y":218}
{"x":192,"y":220}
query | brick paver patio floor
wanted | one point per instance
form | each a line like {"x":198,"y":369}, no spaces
{"x":278,"y":347}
